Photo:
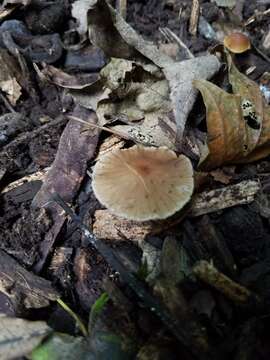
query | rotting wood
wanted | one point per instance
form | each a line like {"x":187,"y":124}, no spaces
{"x":207,"y":272}
{"x":22,"y":287}
{"x":225,"y":197}
{"x":65,"y":176}
{"x":109,"y":226}
{"x":38,"y":175}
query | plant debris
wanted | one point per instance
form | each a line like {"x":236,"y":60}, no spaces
{"x":134,"y":179}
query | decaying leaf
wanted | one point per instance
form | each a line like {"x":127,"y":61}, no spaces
{"x":180,"y":76}
{"x":142,"y":103}
{"x":19,"y":337}
{"x":10,"y":77}
{"x":237,"y":124}
{"x":79,"y":12}
{"x":65,"y":80}
{"x":25,"y":289}
{"x":109,"y":31}
{"x":9,"y":6}
{"x":156,"y":129}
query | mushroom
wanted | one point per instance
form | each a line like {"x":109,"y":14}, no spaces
{"x":237,"y":42}
{"x":143,"y":183}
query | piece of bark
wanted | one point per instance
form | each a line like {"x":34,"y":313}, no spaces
{"x":15,"y":154}
{"x":90,"y":269}
{"x":60,"y":266}
{"x":109,"y":226}
{"x":110,"y":144}
{"x":75,"y":149}
{"x":23,"y":287}
{"x":37,"y":176}
{"x":218,"y":199}
{"x":22,"y":229}
{"x":194,"y":17}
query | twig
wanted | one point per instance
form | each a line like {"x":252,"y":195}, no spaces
{"x":257,"y":15}
{"x":206,"y":272}
{"x":171,"y":36}
{"x":122,"y":8}
{"x":6,"y":102}
{"x":194,"y":17}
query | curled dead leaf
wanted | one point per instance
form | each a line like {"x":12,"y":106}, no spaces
{"x":238,"y":124}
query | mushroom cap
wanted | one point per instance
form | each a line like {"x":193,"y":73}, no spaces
{"x":143,"y":183}
{"x":237,"y":42}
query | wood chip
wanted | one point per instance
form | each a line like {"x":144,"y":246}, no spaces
{"x":108,"y":226}
{"x":23,"y":287}
{"x":194,"y":17}
{"x":218,"y":199}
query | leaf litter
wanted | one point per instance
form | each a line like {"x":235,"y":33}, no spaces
{"x":144,"y":97}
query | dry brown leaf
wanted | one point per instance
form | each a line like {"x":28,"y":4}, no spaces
{"x":10,"y":76}
{"x":109,"y":31}
{"x":65,"y":80}
{"x":238,"y":124}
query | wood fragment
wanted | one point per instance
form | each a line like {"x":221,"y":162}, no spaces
{"x":121,"y":6}
{"x":110,"y":144}
{"x":22,"y":287}
{"x":194,"y":17}
{"x":222,"y":198}
{"x":207,"y":272}
{"x":65,"y":175}
{"x":37,"y":176}
{"x":109,"y":226}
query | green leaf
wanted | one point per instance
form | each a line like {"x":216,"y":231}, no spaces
{"x":96,"y":310}
{"x":63,"y":346}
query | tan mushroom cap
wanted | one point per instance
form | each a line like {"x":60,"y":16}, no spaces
{"x":143,"y":183}
{"x":237,"y":42}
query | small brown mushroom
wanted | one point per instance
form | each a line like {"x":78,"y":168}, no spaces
{"x":237,"y":42}
{"x":143,"y":183}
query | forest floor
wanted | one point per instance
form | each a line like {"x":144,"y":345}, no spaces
{"x":196,"y":286}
